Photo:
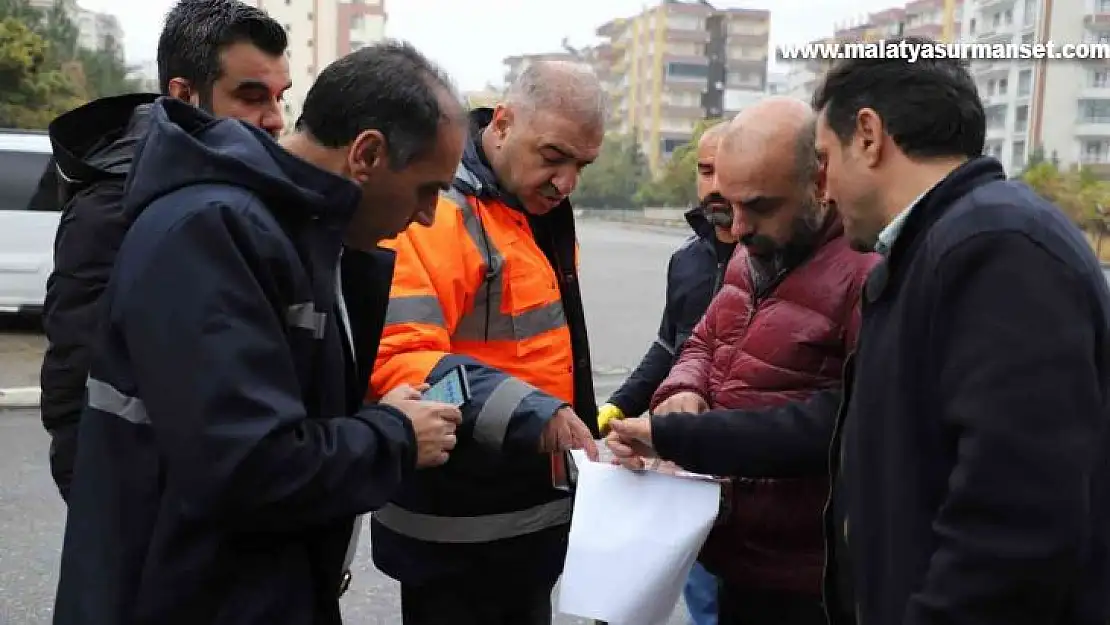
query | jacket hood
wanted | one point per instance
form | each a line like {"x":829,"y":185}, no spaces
{"x":186,"y":146}
{"x":98,"y":139}
{"x":475,"y":175}
{"x":700,"y":224}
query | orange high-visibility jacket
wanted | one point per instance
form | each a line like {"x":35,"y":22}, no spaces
{"x":476,"y":289}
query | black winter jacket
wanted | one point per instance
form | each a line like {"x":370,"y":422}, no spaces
{"x":93,"y":148}
{"x":225,"y":450}
{"x":694,"y":275}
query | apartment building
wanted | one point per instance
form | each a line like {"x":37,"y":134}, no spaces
{"x":934,"y":19}
{"x":659,"y":69}
{"x":1069,"y":111}
{"x":94,"y":30}
{"x":321,"y":31}
{"x":1061,"y":106}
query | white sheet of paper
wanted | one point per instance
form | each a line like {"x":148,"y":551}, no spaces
{"x":633,"y":538}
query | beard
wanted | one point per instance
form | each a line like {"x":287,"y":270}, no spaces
{"x":716,"y":210}
{"x":804,"y":234}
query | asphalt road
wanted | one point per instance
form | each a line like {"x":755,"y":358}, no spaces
{"x":622,"y":280}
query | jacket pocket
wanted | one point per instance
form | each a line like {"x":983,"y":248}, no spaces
{"x":531,"y":297}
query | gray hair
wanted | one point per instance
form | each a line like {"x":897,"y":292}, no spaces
{"x":566,"y":88}
{"x":805,"y":146}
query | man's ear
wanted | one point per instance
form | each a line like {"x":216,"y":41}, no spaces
{"x":502,"y":121}
{"x":367,"y":153}
{"x":180,"y":89}
{"x":821,"y":180}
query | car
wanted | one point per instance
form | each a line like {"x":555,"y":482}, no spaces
{"x":28,"y":220}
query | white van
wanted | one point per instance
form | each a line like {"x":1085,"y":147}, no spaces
{"x":26,"y":234}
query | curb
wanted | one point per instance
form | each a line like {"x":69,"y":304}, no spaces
{"x":23,"y":397}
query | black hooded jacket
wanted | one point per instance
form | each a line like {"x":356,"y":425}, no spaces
{"x":93,"y":148}
{"x":694,"y":275}
{"x":225,"y":447}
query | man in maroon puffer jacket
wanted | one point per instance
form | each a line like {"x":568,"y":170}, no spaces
{"x":778,"y":331}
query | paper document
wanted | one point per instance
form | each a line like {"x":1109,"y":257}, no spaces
{"x":633,"y":538}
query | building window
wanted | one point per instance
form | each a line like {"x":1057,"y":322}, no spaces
{"x":1021,"y":119}
{"x":687,"y":70}
{"x":288,"y":28}
{"x":1099,"y":79}
{"x":1029,"y":13}
{"x":670,"y":145}
{"x":1094,"y":111}
{"x":1102,"y":6}
{"x":310,"y":16}
{"x":1096,"y":151}
{"x":1025,"y":82}
{"x":1017,"y":155}
{"x":1003,"y":84}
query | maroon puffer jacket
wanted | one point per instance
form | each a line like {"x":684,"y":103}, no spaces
{"x":756,"y":351}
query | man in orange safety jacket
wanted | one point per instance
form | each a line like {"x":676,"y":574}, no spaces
{"x":493,"y":286}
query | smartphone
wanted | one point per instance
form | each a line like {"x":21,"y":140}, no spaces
{"x":453,"y":388}
{"x":564,"y":471}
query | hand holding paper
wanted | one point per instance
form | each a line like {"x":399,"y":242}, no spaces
{"x":630,"y":442}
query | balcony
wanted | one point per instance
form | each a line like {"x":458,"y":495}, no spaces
{"x":996,"y":132}
{"x":931,"y":31}
{"x":739,"y":39}
{"x":1097,"y":20}
{"x":990,"y":68}
{"x":1092,"y":92}
{"x":987,"y":5}
{"x":680,"y":35}
{"x":1000,"y":100}
{"x":1003,"y":33}
{"x":1097,"y":126}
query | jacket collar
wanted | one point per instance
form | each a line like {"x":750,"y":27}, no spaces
{"x":926,"y":212}
{"x":700,"y":225}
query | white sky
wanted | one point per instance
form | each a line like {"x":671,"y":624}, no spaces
{"x":470,"y":37}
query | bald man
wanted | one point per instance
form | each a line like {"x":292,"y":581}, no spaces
{"x":779,"y":330}
{"x":487,"y":300}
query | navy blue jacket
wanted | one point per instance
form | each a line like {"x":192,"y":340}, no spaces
{"x":694,"y":275}
{"x":224,"y":451}
{"x":971,"y":456}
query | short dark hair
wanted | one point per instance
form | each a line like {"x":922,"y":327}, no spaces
{"x":930,"y":107}
{"x":197,"y":31}
{"x":388,"y":86}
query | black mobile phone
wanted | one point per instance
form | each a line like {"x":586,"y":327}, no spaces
{"x":453,"y":388}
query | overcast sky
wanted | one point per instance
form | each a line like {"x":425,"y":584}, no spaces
{"x":470,"y":37}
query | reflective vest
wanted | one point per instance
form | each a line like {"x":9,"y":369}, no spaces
{"x":475,"y":283}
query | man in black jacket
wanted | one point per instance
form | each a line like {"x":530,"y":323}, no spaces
{"x":694,"y":275}
{"x":222,"y":55}
{"x":969,"y":453}
{"x":226,"y":451}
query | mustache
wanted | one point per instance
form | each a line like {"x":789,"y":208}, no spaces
{"x":717,"y":210}
{"x":551,"y":192}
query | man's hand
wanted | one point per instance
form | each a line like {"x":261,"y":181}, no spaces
{"x":404,"y":391}
{"x":630,"y":442}
{"x":433,"y":422}
{"x":685,"y":401}
{"x":566,"y":431}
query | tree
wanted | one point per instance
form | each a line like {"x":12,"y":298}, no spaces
{"x":43,"y":70}
{"x":104,"y":72}
{"x":1078,"y":191}
{"x":677,"y":184}
{"x":613,"y":180}
{"x":31,"y":93}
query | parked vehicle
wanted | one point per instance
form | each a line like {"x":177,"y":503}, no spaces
{"x":27,"y":221}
